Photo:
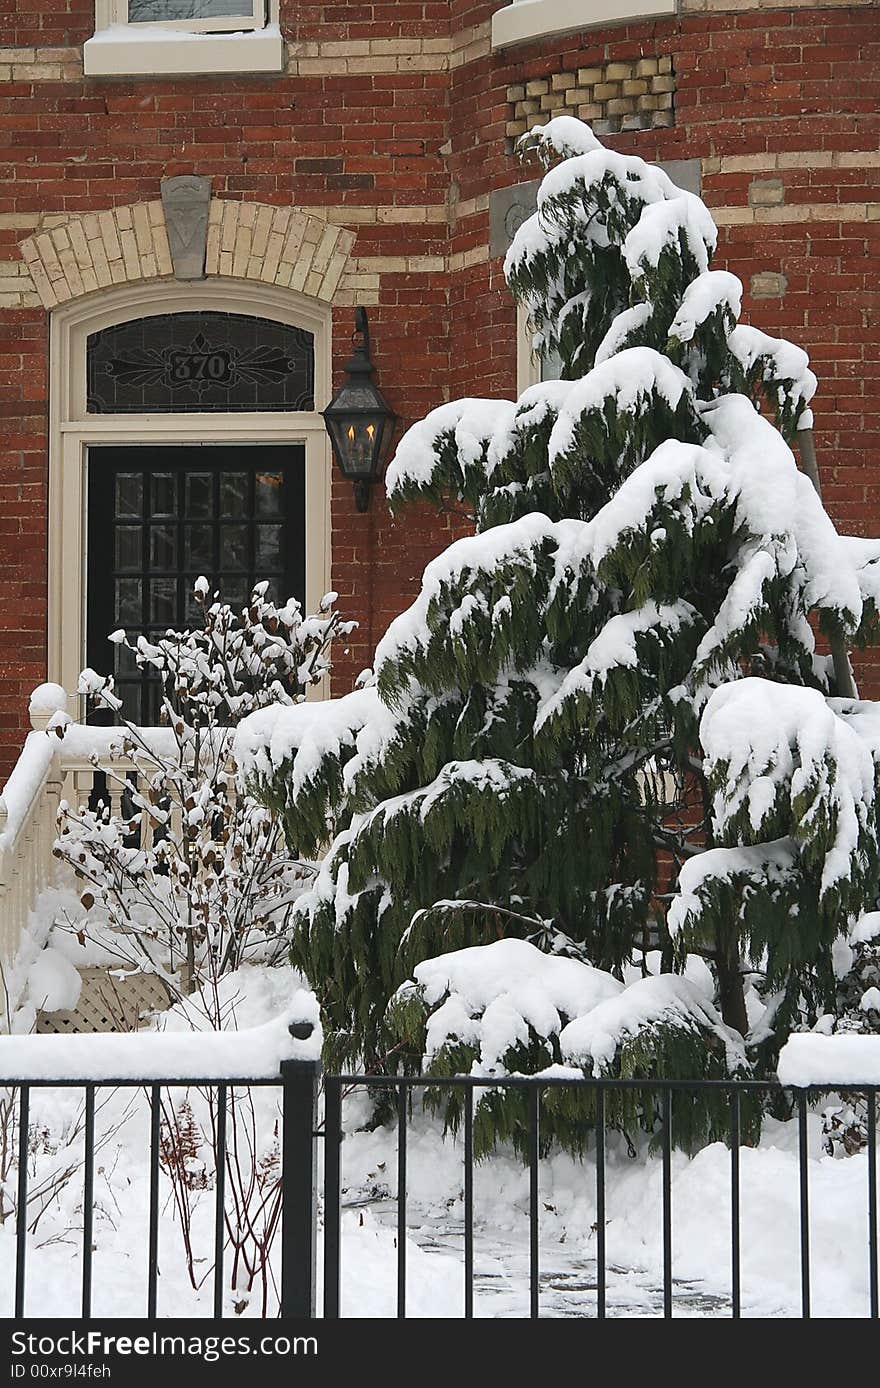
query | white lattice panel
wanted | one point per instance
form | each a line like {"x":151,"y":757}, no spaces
{"x":108,"y":1004}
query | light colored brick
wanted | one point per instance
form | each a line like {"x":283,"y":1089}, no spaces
{"x":110,"y":236}
{"x":768,"y":284}
{"x":19,"y":221}
{"x":766,"y":192}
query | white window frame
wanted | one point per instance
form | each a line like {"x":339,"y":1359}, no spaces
{"x":524,"y":20}
{"x":249,"y":42}
{"x":256,"y":19}
{"x":528,"y":363}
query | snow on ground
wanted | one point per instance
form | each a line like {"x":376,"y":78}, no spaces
{"x":435,"y":1216}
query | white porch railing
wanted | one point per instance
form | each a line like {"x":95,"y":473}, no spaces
{"x":49,"y":770}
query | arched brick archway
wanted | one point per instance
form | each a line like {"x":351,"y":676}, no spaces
{"x":280,"y":246}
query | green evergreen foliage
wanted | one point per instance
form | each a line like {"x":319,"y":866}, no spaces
{"x":574,"y":736}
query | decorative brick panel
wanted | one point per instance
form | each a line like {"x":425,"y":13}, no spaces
{"x":613,"y":97}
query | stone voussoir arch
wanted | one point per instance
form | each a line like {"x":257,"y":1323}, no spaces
{"x":281,"y":246}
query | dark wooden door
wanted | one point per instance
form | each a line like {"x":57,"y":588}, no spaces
{"x":160,"y":517}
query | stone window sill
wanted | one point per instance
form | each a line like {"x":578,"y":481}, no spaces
{"x":535,"y":19}
{"x":154,"y":51}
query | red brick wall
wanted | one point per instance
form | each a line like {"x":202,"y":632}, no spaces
{"x":755,"y":83}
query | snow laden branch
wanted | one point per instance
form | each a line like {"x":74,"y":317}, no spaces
{"x":190,"y":877}
{"x":793,"y":809}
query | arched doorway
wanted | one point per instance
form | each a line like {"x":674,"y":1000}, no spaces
{"x":185,"y":439}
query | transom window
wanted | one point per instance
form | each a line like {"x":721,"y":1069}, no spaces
{"x":160,"y":517}
{"x":188,"y":362}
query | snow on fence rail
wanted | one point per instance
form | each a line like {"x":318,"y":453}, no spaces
{"x":167,"y":1056}
{"x":48,"y":771}
{"x":812,"y":1059}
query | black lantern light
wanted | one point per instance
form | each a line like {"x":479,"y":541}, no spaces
{"x":359,"y":419}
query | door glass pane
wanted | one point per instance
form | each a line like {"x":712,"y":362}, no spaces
{"x":269,"y":493}
{"x":268,"y":548}
{"x":199,"y":493}
{"x":163,"y":601}
{"x":233,"y":493}
{"x":127,"y":605}
{"x":128,"y":546}
{"x":233,"y":547}
{"x":163,"y":494}
{"x":199,"y":549}
{"x":129,"y":494}
{"x":236,"y":592}
{"x":163,"y":546}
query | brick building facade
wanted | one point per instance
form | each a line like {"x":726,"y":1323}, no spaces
{"x":367,"y":160}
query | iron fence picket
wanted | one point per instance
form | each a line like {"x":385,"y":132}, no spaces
{"x":872,"y":1204}
{"x":735,"y":1254}
{"x":469,"y":1205}
{"x":332,"y":1195}
{"x":600,"y":1203}
{"x":667,"y":1203}
{"x":220,"y":1200}
{"x":401,"y":1201}
{"x":88,"y":1201}
{"x":155,"y":1136}
{"x":24,"y":1123}
{"x":534,"y":1191}
{"x":804,"y":1181}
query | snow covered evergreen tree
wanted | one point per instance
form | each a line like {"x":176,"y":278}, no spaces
{"x":603,"y":725}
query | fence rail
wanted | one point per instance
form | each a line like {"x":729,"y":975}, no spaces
{"x":300,"y":1084}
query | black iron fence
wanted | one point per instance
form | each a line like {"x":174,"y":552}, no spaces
{"x":300,"y":1085}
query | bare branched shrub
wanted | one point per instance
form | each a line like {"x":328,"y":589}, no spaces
{"x":192,"y":877}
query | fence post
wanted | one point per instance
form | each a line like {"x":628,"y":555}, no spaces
{"x":299,"y":1211}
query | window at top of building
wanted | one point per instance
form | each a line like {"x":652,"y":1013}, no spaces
{"x":184,"y":37}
